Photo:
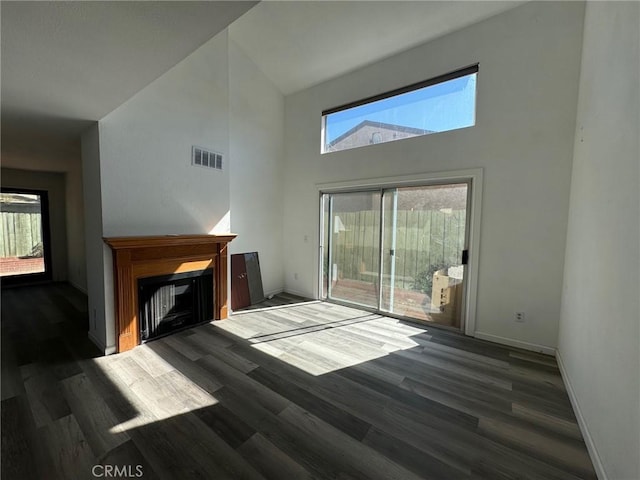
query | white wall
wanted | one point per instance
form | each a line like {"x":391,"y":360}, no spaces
{"x":527,"y":89}
{"x":54,"y":184}
{"x":90,"y":145}
{"x":76,"y":252}
{"x":255,"y":161}
{"x":599,"y":328}
{"x":148,"y":185}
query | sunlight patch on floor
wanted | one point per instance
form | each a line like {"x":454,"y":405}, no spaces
{"x":321,"y":339}
{"x":152,"y":387}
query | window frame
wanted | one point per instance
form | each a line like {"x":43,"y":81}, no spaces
{"x":471,"y":69}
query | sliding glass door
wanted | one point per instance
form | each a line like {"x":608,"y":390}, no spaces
{"x":424,"y":240}
{"x":353,"y":257}
{"x":398,"y":250}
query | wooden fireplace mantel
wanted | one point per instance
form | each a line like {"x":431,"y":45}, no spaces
{"x":148,"y":256}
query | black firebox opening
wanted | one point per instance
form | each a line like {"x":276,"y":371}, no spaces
{"x":168,"y":303}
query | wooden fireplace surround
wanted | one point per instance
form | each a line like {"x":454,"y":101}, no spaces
{"x":140,"y":257}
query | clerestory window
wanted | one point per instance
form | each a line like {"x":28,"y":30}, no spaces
{"x":447,"y":102}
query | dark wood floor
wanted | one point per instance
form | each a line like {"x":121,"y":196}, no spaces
{"x":295,"y":392}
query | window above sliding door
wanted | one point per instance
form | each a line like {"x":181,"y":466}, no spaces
{"x":447,"y":102}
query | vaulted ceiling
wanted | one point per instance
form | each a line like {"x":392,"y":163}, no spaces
{"x":299,"y":44}
{"x":66,"y":64}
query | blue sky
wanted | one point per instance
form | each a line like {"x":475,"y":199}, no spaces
{"x":445,"y":106}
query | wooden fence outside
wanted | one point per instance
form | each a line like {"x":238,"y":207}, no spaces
{"x":21,"y":234}
{"x":423,"y":239}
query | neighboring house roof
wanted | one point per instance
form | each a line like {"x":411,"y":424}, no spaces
{"x":407,"y":131}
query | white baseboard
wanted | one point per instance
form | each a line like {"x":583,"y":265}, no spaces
{"x":588,"y":440}
{"x":273,"y":292}
{"x":95,"y":341}
{"x":295,"y":292}
{"x":78,"y":287}
{"x":516,"y":343}
{"x":107,"y":350}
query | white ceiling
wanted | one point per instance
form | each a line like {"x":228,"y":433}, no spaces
{"x":299,"y":44}
{"x":66,"y":64}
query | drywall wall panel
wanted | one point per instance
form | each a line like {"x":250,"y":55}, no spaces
{"x":94,"y":246}
{"x":529,"y":61}
{"x":256,"y":161}
{"x":149,"y":186}
{"x":599,"y":328}
{"x":54,"y":184}
{"x":74,"y":204}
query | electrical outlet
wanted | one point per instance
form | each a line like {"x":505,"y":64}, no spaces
{"x":520,"y":317}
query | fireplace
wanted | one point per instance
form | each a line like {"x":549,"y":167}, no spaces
{"x":138,"y":258}
{"x":169,"y":303}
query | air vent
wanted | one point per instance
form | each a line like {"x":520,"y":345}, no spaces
{"x":202,"y":157}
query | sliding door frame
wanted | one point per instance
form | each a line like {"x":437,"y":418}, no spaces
{"x":474,"y":178}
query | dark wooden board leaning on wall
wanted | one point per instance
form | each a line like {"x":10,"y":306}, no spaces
{"x":239,"y":283}
{"x":246,"y":280}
